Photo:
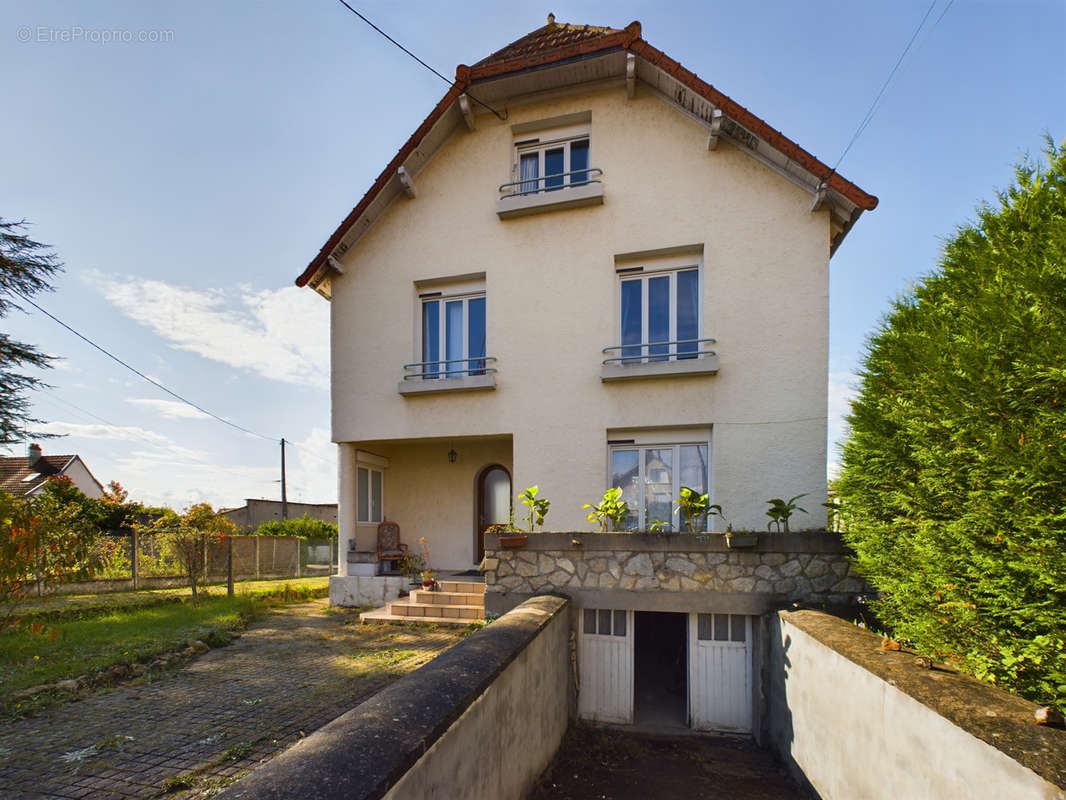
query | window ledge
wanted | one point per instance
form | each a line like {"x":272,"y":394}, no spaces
{"x":707,"y":365}
{"x":591,"y":194}
{"x":467,"y":383}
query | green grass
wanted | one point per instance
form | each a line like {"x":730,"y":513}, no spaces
{"x":69,"y":648}
{"x":70,"y":606}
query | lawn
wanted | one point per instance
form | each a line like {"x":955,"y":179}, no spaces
{"x":80,"y":638}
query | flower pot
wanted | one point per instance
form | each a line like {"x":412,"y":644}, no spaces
{"x":512,"y":541}
{"x":428,"y":585}
{"x":741,"y":540}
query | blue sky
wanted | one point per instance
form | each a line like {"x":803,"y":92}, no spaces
{"x":186,"y":180}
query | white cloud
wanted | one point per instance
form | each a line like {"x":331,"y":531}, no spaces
{"x":99,"y":431}
{"x":281,"y":334}
{"x":169,"y":409}
{"x":312,"y":474}
{"x":842,"y":390}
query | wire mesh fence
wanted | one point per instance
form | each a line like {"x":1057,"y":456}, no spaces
{"x":253,"y":557}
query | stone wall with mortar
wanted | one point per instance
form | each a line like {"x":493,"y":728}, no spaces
{"x":696,"y":569}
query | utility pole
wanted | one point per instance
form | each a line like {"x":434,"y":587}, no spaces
{"x":284,"y":500}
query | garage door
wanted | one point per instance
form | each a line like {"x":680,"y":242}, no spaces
{"x":720,"y":672}
{"x":605,"y":665}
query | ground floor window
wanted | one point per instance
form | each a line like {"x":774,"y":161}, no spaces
{"x":651,"y":478}
{"x":369,"y":494}
{"x":604,"y":622}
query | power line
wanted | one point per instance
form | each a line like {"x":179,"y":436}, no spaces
{"x":136,"y":371}
{"x":873,"y":106}
{"x":499,"y":116}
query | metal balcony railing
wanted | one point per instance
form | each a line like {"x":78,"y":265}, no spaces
{"x":647,"y":352}
{"x":551,"y":183}
{"x":428,"y":370}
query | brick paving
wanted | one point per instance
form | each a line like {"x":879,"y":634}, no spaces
{"x":216,"y":718}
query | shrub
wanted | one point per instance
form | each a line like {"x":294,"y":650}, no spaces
{"x":954,"y":473}
{"x":303,"y":527}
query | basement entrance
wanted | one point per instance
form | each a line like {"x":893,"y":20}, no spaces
{"x":660,"y":687}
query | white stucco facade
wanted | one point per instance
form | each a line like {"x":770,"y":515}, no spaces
{"x":552,"y":304}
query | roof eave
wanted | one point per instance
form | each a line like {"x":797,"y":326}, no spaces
{"x":629,"y":39}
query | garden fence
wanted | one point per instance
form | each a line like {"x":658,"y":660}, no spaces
{"x":113,"y":566}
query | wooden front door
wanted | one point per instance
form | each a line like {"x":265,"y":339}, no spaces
{"x":493,"y":502}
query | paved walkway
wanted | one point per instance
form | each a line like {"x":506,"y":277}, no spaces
{"x":206,"y":724}
{"x":620,"y":764}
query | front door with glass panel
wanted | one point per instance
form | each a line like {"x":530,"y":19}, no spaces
{"x":493,"y":503}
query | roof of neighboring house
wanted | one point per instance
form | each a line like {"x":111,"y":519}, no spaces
{"x":558,"y":43}
{"x":16,"y":476}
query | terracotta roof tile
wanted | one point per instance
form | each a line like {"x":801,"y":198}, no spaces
{"x":15,"y":469}
{"x":553,"y":36}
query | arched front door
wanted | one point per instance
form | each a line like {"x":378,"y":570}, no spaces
{"x":493,"y":502}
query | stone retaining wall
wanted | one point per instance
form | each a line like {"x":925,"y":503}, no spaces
{"x":779,"y":568}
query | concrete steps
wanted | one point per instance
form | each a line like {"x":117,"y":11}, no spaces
{"x":453,"y":603}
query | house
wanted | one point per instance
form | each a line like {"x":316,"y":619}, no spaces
{"x":256,"y":511}
{"x":24,"y":476}
{"x":589,"y":268}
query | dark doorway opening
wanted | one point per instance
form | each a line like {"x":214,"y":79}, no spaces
{"x":660,"y":669}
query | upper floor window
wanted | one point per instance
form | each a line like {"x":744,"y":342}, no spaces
{"x":659,"y":318}
{"x":551,"y":167}
{"x":546,"y":166}
{"x":453,"y":334}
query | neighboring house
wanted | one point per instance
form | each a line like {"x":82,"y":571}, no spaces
{"x":615,"y":276}
{"x":26,"y":475}
{"x":256,"y":511}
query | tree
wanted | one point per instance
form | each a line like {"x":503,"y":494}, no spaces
{"x":188,"y":536}
{"x":26,"y":267}
{"x":42,"y":539}
{"x":954,"y":474}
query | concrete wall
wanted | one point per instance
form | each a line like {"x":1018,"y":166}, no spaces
{"x":849,"y":732}
{"x":552,"y":297}
{"x":482,"y":720}
{"x":673,"y":572}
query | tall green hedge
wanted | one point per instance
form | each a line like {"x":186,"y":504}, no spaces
{"x":954,"y":475}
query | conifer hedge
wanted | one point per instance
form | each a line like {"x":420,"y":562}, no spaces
{"x":953,"y":484}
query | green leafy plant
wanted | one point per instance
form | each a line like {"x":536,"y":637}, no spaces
{"x":692,"y":507}
{"x":538,"y":507}
{"x":781,"y":511}
{"x":612,"y":511}
{"x":658,"y":526}
{"x":303,"y":527}
{"x":954,"y":470}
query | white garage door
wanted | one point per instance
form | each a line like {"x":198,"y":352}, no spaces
{"x":605,"y":665}
{"x":719,"y":647}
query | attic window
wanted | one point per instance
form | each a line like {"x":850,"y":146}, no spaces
{"x":551,"y":167}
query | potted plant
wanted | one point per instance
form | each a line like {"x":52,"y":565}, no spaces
{"x":611,"y":512}
{"x":740,"y":540}
{"x":421,"y":564}
{"x":693,"y":508}
{"x":781,"y":510}
{"x":429,"y":582}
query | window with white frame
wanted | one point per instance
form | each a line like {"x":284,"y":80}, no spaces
{"x":659,"y":315}
{"x":603,"y":622}
{"x":552,"y":162}
{"x":453,"y":333}
{"x":651,"y":477}
{"x":369,"y":494}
